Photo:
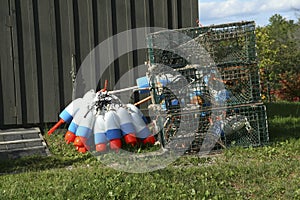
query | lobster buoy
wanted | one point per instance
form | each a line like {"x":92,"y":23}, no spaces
{"x":99,"y":134}
{"x":142,"y":131}
{"x":89,"y":96}
{"x":97,"y":119}
{"x":79,"y":145}
{"x":84,"y":130}
{"x":70,"y":135}
{"x":132,"y":108}
{"x":142,"y":83}
{"x":113,"y":130}
{"x":221,"y":96}
{"x":127,"y":127}
{"x":67,"y":114}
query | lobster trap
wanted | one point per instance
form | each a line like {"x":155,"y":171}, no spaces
{"x":242,"y":126}
{"x":226,"y":44}
{"x":192,"y":130}
{"x":205,"y":86}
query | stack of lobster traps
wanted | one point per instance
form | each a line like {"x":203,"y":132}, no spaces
{"x":206,"y":87}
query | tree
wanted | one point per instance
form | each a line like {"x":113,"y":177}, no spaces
{"x":278,"y":48}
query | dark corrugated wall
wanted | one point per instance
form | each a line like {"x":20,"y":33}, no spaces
{"x":43,"y":41}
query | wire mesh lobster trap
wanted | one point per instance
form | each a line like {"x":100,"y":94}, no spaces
{"x":205,"y":86}
{"x":241,"y":126}
{"x":225,"y":43}
{"x":192,"y":130}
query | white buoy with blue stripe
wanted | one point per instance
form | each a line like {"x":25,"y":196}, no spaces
{"x":99,"y":134}
{"x":84,"y":130}
{"x":127,"y":127}
{"x":113,"y":129}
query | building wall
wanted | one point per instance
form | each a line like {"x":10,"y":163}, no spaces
{"x":42,"y":41}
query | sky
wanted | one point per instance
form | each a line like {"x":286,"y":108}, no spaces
{"x":226,"y":11}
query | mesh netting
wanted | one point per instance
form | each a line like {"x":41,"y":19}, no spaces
{"x":242,"y":126}
{"x":226,"y":44}
{"x":205,"y":85}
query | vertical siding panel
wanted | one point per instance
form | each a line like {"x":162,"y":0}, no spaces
{"x":150,"y":10}
{"x":58,"y":53}
{"x":116,"y":63}
{"x":1,"y":102}
{"x":18,"y":47}
{"x":194,"y":12}
{"x":188,"y":7}
{"x":179,"y":13}
{"x":160,"y":13}
{"x":86,"y":42}
{"x":105,"y":30}
{"x":142,"y":19}
{"x":123,"y":23}
{"x":15,"y":51}
{"x":85,"y":14}
{"x":48,"y":61}
{"x":170,"y":13}
{"x":39,"y":69}
{"x":67,"y":49}
{"x":7,"y":82}
{"x":76,"y":33}
{"x":174,"y":14}
{"x":30,"y":65}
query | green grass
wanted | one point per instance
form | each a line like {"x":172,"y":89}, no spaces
{"x":268,"y":172}
{"x":282,"y":128}
{"x":283,"y":109}
{"x":284,"y":120}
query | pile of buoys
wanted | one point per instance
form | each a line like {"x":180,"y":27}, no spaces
{"x":100,"y":119}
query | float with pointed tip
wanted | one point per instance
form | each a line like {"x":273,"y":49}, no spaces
{"x":100,"y":138}
{"x":127,"y":127}
{"x":99,"y":119}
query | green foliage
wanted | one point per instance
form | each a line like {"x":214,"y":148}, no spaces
{"x":278,"y":47}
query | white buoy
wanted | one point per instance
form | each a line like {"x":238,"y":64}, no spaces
{"x":89,"y":96}
{"x":113,"y":129}
{"x":134,"y":109}
{"x":142,"y":131}
{"x":82,"y":122}
{"x":99,"y":134}
{"x":66,"y":116}
{"x":127,"y":127}
{"x":77,"y":118}
{"x":84,"y":130}
{"x":68,"y":113}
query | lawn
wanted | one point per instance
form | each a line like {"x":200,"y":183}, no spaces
{"x":268,"y":172}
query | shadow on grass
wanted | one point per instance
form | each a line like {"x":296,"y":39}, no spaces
{"x":283,"y":120}
{"x":284,"y":128}
{"x":62,"y":155}
{"x":284,"y":124}
{"x":37,"y":163}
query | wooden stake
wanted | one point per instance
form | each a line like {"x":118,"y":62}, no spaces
{"x":142,"y":101}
